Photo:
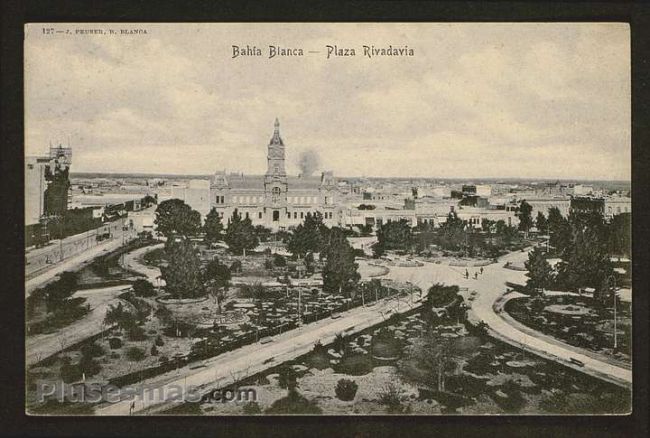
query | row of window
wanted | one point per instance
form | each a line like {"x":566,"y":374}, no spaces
{"x":219,"y":199}
{"x":296,"y":215}
{"x":326,"y":215}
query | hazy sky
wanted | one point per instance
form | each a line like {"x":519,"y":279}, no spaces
{"x":476,"y":100}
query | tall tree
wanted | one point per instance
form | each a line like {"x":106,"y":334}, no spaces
{"x":217,"y":279}
{"x":452,"y":232}
{"x":340,"y":270}
{"x":525,"y":216}
{"x":240,"y":234}
{"x":308,"y":236}
{"x":560,"y":231}
{"x":540,"y":273}
{"x":541,"y":223}
{"x":58,"y":294}
{"x":182,"y":275}
{"x":395,"y":235}
{"x":213,"y":227}
{"x":585,"y":262}
{"x":173,"y":216}
{"x":620,"y":235}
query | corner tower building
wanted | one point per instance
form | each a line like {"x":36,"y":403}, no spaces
{"x":275,"y":200}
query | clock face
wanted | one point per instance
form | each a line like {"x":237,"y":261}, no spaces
{"x":275,"y":153}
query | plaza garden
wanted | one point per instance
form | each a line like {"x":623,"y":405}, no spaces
{"x":219,"y":290}
{"x":579,"y":321}
{"x":420,"y":365}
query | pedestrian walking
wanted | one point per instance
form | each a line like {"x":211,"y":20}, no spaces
{"x":481,"y":270}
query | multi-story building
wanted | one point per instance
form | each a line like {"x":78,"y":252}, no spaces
{"x":275,"y":200}
{"x":47,"y":184}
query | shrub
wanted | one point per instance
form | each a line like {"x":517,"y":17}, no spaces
{"x":288,"y":378}
{"x":354,"y":364}
{"x":159,"y":341}
{"x":346,"y":389}
{"x":279,"y":261}
{"x":339,"y":343}
{"x":293,"y":403}
{"x":69,"y":373}
{"x":135,"y":354}
{"x":319,"y":347}
{"x":252,"y":408}
{"x":92,"y":350}
{"x":143,"y":288}
{"x":391,"y":398}
{"x":89,"y":366}
{"x":154,"y":350}
{"x":268,"y":264}
{"x":114,"y":343}
{"x":163,"y":314}
{"x":236,"y":266}
{"x":137,"y":333}
{"x":115,"y":355}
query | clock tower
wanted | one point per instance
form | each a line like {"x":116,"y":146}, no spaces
{"x":275,"y":180}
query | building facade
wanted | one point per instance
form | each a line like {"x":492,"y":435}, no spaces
{"x":275,"y":200}
{"x":47,"y":184}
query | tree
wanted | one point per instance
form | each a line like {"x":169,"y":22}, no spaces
{"x":173,"y":216}
{"x":585,"y":261}
{"x":240,"y":234}
{"x":212,"y":227}
{"x":487,"y":224}
{"x":540,"y":273}
{"x":620,"y":235}
{"x":182,"y":275}
{"x":451,"y":233}
{"x":59,"y":292}
{"x":340,"y":271}
{"x":524,"y":215}
{"x":308,"y":236}
{"x":541,"y":223}
{"x":440,"y":295}
{"x":217,"y":279}
{"x":395,"y":236}
{"x":560,"y":231}
{"x":288,"y":378}
{"x":143,"y":288}
{"x":432,"y":359}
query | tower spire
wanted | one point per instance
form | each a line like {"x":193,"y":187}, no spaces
{"x":276,"y":139}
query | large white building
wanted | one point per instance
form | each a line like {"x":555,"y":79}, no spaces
{"x":275,"y":200}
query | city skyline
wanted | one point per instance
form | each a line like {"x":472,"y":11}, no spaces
{"x":525,"y":101}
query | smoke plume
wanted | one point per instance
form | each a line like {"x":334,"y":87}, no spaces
{"x":309,"y":162}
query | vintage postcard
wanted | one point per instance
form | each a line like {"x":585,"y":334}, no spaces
{"x":328,"y":219}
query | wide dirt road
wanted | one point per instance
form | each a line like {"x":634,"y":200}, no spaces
{"x":39,"y":347}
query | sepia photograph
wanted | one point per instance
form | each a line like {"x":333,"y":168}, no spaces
{"x":337,"y":219}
